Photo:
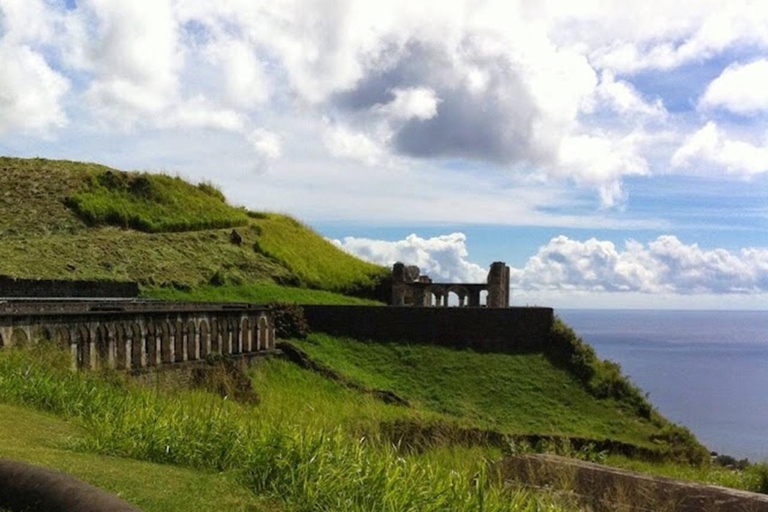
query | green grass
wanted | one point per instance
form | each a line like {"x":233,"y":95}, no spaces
{"x":257,"y":293}
{"x":160,"y":231}
{"x":753,"y":478}
{"x":43,"y":440}
{"x":312,"y":258}
{"x":153,"y":203}
{"x":522,"y":394}
{"x":304,"y":467}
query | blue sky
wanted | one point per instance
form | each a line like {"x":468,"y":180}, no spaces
{"x":613,"y":155}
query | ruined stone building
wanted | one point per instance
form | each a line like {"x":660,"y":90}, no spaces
{"x":409,"y":288}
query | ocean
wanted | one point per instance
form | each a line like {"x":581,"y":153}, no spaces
{"x":707,"y":370}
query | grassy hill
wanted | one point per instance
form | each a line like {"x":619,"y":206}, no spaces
{"x":70,"y":220}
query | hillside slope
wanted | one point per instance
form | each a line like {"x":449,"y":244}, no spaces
{"x":71,"y":220}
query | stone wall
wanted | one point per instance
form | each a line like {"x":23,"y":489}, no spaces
{"x":42,"y":288}
{"x":606,"y":489}
{"x":483,"y":329}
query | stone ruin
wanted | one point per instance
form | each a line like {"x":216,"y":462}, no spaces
{"x":410,"y":288}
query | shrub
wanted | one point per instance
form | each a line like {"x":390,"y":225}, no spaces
{"x":152,"y":203}
{"x":603,"y":378}
{"x":289,"y":320}
{"x":224,"y":376}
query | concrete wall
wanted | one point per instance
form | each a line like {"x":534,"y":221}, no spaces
{"x":30,"y":288}
{"x":606,"y":489}
{"x":483,"y":329}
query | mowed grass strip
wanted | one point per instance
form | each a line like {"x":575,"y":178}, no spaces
{"x":42,"y":439}
{"x":522,"y":394}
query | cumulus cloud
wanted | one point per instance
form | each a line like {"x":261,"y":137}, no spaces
{"x":441,"y":257}
{"x":711,"y":147}
{"x":30,"y":92}
{"x":267,"y":144}
{"x":663,"y":266}
{"x":497,"y":84}
{"x":411,"y":103}
{"x":740,"y":88}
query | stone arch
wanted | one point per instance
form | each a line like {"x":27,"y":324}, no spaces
{"x":81,"y":338}
{"x":61,"y":336}
{"x":462,"y":296}
{"x":230,"y":333}
{"x":122,"y":350}
{"x":192,"y":344}
{"x":244,"y":335}
{"x":19,"y":337}
{"x":216,"y":336}
{"x":138,"y":347}
{"x":102,"y":347}
{"x":178,"y":340}
{"x":46,"y":334}
{"x":483,"y":298}
{"x":263,"y":333}
{"x":205,"y":339}
{"x":434,"y":296}
{"x":150,"y":343}
{"x":166,"y":342}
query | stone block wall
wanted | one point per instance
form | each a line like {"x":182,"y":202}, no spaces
{"x":49,"y":288}
{"x":483,"y":329}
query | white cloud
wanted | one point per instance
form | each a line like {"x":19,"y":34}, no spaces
{"x":344,"y":142}
{"x":623,"y":98}
{"x":266,"y":144}
{"x":441,"y":257}
{"x":200,"y":113}
{"x":541,"y":90}
{"x":740,"y":88}
{"x":30,"y":92}
{"x":244,"y":78}
{"x":711,"y":147}
{"x":665,"y":265}
{"x":411,"y":103}
{"x":135,"y":55}
{"x":601,"y":160}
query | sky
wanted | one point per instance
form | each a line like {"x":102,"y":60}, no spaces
{"x":614,"y":154}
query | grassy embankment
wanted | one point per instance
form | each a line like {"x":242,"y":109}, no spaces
{"x":86,"y":221}
{"x":275,"y":450}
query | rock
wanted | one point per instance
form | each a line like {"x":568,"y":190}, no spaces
{"x":235,"y":238}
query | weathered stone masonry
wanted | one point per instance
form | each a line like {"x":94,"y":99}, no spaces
{"x":137,"y":335}
{"x":409,"y":288}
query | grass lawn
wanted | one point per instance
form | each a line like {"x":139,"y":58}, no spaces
{"x":509,"y":393}
{"x":312,"y":258}
{"x":41,"y":439}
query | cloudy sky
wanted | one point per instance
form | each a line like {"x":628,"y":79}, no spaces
{"x":614,"y":154}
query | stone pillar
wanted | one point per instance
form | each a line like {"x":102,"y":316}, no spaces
{"x":73,"y":354}
{"x":474,"y":298}
{"x":128,"y":341}
{"x":498,"y":285}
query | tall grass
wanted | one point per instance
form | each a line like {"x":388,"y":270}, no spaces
{"x":307,"y":468}
{"x":153,"y":203}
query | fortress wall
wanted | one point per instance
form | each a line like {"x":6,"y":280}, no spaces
{"x":38,"y":288}
{"x":483,"y":329}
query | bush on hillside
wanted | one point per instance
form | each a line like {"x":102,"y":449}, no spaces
{"x":603,"y":378}
{"x":152,"y":203}
{"x":289,"y":320}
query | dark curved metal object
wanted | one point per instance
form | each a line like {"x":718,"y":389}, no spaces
{"x":28,"y":488}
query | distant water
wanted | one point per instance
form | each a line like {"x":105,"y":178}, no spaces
{"x":707,"y":370}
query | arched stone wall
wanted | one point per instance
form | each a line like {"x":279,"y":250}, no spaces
{"x":148,"y":340}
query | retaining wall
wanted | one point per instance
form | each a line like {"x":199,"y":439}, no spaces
{"x":482,"y":329}
{"x":30,"y":288}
